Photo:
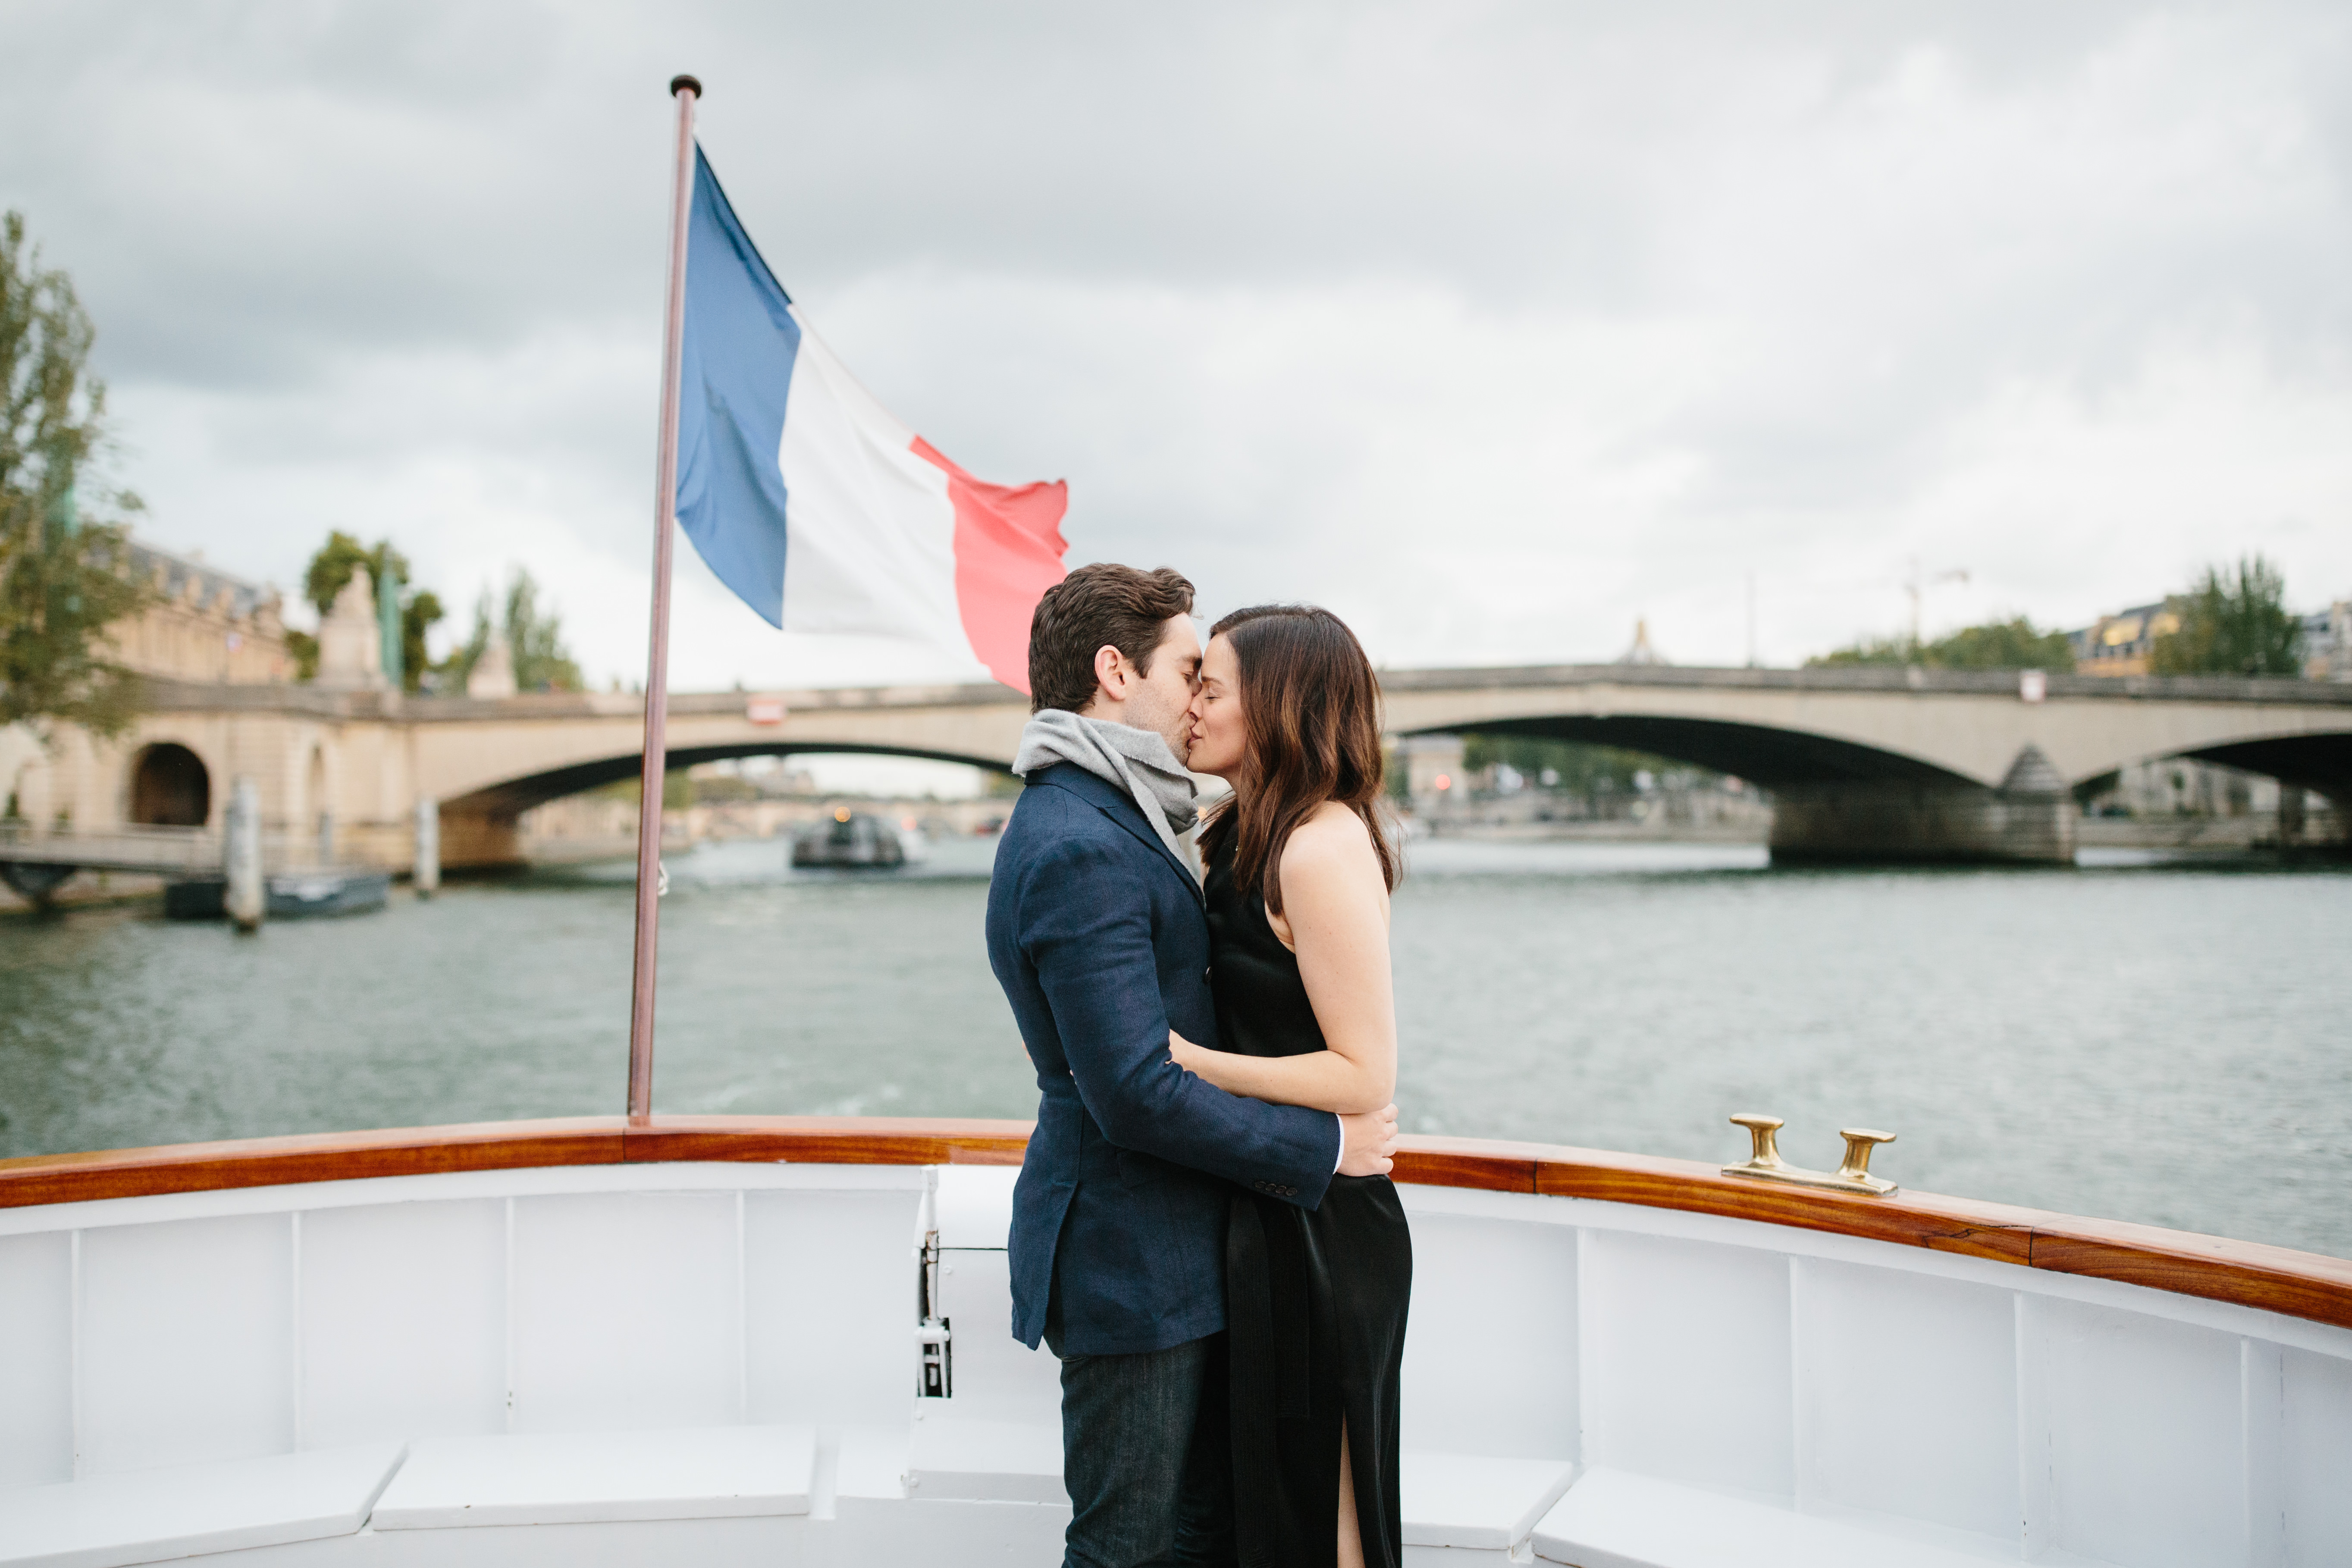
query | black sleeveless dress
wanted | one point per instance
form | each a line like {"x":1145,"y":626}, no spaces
{"x":1314,"y":1302}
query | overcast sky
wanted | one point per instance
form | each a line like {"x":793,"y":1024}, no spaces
{"x":1493,"y":327}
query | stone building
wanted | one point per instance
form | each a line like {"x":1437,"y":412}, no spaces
{"x":208,"y":627}
{"x":2327,"y":643}
{"x":2125,"y":642}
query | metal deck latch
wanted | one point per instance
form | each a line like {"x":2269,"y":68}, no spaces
{"x":934,"y":1338}
{"x":1765,"y":1164}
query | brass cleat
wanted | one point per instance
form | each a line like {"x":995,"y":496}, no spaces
{"x":1765,"y":1164}
{"x":1764,"y":1134}
{"x":1859,"y":1141}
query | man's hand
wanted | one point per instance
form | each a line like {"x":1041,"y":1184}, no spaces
{"x":1368,"y":1142}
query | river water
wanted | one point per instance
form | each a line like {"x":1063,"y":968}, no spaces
{"x":2137,"y":1039}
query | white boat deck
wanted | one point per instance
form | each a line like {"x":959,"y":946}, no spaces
{"x":716,"y":1363}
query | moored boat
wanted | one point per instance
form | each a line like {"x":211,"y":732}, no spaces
{"x":290,"y":895}
{"x":856,"y":841}
{"x":724,"y":1339}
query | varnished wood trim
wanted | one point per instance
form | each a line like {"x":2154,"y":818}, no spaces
{"x":308,"y":1157}
{"x":830,"y":1140}
{"x":1480,"y":1163}
{"x":2272,"y":1278}
{"x":1938,"y":1223}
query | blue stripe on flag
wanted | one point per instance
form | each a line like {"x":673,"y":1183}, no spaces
{"x":739,"y":345}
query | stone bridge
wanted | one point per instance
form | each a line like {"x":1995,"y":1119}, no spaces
{"x":1873,"y":763}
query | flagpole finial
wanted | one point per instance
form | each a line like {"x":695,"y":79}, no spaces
{"x":682,"y":83}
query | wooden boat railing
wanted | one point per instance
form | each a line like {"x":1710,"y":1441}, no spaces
{"x":2248,"y":1274}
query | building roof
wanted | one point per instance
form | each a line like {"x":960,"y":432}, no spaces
{"x":176,"y":573}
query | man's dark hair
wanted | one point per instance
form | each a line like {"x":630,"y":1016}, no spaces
{"x":1105,"y":603}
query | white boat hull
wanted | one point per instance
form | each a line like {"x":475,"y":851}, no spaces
{"x":716,"y":1363}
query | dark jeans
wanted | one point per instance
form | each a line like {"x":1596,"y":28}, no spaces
{"x":1147,"y":1456}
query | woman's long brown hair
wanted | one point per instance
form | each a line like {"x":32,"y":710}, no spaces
{"x":1311,"y":718}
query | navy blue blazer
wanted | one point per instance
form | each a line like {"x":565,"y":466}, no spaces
{"x":1097,"y":933}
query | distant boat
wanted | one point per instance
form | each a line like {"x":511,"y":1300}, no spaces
{"x":857,"y":841}
{"x":292,"y":895}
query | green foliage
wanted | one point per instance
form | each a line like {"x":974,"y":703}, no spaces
{"x":332,"y":568}
{"x":64,"y":576}
{"x":717,"y":789}
{"x":1585,"y":769}
{"x":2013,"y":644}
{"x":2233,"y":622}
{"x":305,"y":649}
{"x":534,"y":639}
{"x":418,"y":614}
{"x":1868,"y":650}
{"x":680,"y":789}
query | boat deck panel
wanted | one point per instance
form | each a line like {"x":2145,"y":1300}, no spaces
{"x":1477,"y":1501}
{"x":600,"y":1478}
{"x":1613,"y":1519}
{"x":184,"y":1510}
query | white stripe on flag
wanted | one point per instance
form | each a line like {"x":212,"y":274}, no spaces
{"x":869,"y":538}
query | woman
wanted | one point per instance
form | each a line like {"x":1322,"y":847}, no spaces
{"x":1298,"y":881}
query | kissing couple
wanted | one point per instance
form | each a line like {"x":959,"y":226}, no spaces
{"x":1204,"y":1232}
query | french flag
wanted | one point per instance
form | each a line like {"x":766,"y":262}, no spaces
{"x":812,"y":503}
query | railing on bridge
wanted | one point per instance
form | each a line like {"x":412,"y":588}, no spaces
{"x":143,"y":847}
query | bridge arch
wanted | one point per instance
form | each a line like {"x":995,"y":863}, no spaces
{"x":512,"y":797}
{"x":1773,"y":757}
{"x":2322,"y":762}
{"x":170,"y":786}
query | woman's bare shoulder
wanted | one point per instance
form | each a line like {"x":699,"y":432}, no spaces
{"x":1333,"y":840}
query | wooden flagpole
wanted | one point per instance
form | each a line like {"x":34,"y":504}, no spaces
{"x":686,"y":90}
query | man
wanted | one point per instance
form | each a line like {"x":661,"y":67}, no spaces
{"x":1097,"y":932}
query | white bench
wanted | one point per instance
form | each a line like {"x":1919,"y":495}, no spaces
{"x":187,"y":1510}
{"x":601,"y":1478}
{"x":1469,"y":1508}
{"x":1613,"y":1519}
{"x":949,"y":1456}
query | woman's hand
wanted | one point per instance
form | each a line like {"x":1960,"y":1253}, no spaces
{"x":1184,"y":1053}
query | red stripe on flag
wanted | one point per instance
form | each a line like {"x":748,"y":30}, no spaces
{"x":1008,"y":551}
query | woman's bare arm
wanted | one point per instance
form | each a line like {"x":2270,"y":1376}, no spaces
{"x":1336,"y":905}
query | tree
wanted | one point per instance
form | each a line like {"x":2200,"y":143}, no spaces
{"x":65,"y":573}
{"x":339,"y":559}
{"x":2233,"y":622}
{"x":331,"y":570}
{"x":419,"y":613}
{"x":1574,"y":767}
{"x":2013,"y":644}
{"x":534,"y":640}
{"x":542,"y":663}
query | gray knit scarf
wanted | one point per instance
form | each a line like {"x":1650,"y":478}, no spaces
{"x":1122,"y":757}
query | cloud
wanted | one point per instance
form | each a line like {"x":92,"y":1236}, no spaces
{"x":1494,"y":326}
